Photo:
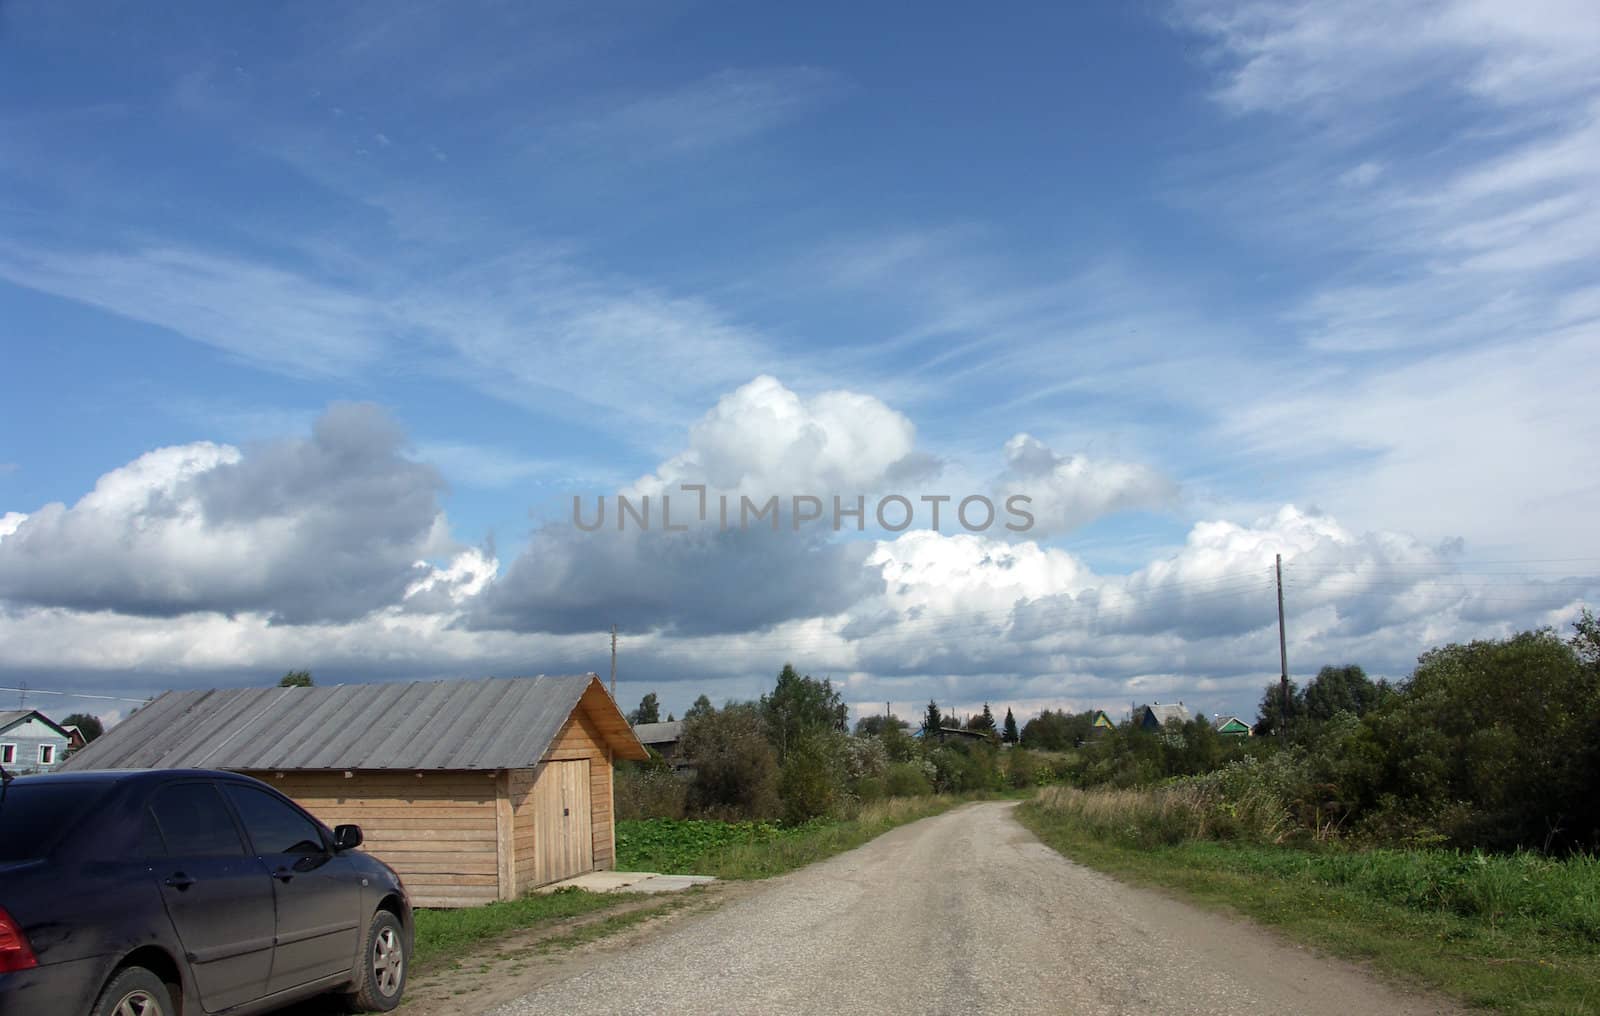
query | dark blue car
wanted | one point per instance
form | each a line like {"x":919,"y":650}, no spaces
{"x":181,"y":892}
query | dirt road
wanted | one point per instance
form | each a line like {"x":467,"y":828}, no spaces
{"x":963,"y":913}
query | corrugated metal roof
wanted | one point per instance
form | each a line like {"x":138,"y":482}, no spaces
{"x":498,"y":723}
{"x":658,"y":733}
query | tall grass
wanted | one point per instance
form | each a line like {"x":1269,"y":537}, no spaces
{"x":1521,"y":890}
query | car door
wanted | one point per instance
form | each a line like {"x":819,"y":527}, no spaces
{"x":318,"y":892}
{"x":218,"y":895}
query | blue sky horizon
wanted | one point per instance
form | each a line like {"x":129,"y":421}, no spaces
{"x":315,"y":321}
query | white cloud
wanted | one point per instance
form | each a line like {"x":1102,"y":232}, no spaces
{"x":1071,"y":491}
{"x":305,"y":530}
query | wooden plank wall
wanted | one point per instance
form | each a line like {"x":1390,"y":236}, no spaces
{"x":578,"y":739}
{"x":438,"y":830}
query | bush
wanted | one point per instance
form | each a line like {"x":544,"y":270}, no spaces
{"x":735,"y":771}
{"x":908,"y":779}
{"x":811,"y":782}
{"x":649,"y":793}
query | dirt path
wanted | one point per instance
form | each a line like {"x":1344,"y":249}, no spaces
{"x":963,"y":913}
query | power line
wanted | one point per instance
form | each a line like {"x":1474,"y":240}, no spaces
{"x":76,"y":694}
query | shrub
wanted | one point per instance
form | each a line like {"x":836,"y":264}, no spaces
{"x":736,"y":774}
{"x":642,"y":793}
{"x":811,"y":782}
{"x":907,"y":779}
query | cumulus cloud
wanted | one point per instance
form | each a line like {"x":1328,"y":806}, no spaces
{"x":304,"y":530}
{"x":1070,"y":491}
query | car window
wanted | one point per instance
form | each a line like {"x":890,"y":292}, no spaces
{"x":33,"y":815}
{"x":274,"y":827}
{"x":151,"y":843}
{"x":194,"y":822}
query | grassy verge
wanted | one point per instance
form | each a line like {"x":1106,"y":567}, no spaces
{"x":743,"y":850}
{"x":1515,"y":934}
{"x":444,"y":934}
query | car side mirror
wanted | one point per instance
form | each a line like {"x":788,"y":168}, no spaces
{"x":346,"y":837}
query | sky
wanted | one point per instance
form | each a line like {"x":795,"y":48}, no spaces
{"x":315,"y":321}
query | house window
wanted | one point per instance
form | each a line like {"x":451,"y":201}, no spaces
{"x":47,"y":754}
{"x":8,"y":754}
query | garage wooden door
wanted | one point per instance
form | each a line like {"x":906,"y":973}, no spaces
{"x":563,"y":844}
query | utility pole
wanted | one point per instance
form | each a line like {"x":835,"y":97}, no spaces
{"x":614,"y":657}
{"x":1283,"y":660}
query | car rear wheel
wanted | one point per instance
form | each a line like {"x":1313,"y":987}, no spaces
{"x":135,"y":991}
{"x":383,"y":965}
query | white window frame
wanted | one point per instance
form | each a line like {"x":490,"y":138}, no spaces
{"x":47,"y":754}
{"x":8,"y":754}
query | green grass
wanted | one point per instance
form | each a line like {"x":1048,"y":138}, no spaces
{"x":1517,"y":933}
{"x":453,"y":933}
{"x":745,"y":850}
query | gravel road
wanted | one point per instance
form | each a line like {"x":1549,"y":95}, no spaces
{"x":964,"y":913}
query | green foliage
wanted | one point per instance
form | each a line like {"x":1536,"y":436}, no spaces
{"x":1275,"y":711}
{"x":677,"y":846}
{"x":735,"y":768}
{"x":875,"y":725}
{"x":702,"y":707}
{"x":1057,"y":731}
{"x":798,"y":707}
{"x":811,"y":780}
{"x":909,"y":779}
{"x":649,"y":711}
{"x":984,"y":721}
{"x":295,"y":679}
{"x":932,"y":718}
{"x":1514,"y":933}
{"x":1009,"y":733}
{"x":649,"y":790}
{"x":1337,"y":690}
{"x":88,"y":725}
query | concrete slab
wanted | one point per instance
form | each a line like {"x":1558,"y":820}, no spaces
{"x":628,"y":882}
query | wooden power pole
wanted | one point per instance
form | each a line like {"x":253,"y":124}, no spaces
{"x":1283,"y":660}
{"x":614,"y":652}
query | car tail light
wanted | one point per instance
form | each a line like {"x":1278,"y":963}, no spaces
{"x":15,"y":952}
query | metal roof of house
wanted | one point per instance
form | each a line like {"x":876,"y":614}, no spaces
{"x":498,"y":723}
{"x":1163,"y":713}
{"x":9,"y":717}
{"x":658,"y":733}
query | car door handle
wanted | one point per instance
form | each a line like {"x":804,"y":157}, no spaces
{"x":283,"y":874}
{"x":179,"y":881}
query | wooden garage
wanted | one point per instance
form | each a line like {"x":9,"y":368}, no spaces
{"x":473,"y":790}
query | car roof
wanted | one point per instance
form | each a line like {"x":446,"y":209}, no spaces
{"x":107,"y":777}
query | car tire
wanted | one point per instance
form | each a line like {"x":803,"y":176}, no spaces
{"x":134,"y":991}
{"x":385,"y":957}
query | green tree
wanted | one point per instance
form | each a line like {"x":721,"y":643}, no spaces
{"x":798,"y":706}
{"x":984,"y":721}
{"x":295,"y":679}
{"x":1336,"y":690}
{"x":702,"y":707}
{"x":88,"y":725}
{"x":932,"y":719}
{"x":649,"y":710}
{"x":1009,"y":733}
{"x":1585,"y":640}
{"x":876,"y":724}
{"x":1267,"y":714}
{"x":735,"y":769}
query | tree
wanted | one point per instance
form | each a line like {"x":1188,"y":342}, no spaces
{"x":702,"y":707}
{"x":798,"y":706}
{"x":735,"y":770}
{"x":1267,"y":714}
{"x":932,"y":719}
{"x":670,"y":718}
{"x":295,"y":679}
{"x":1009,"y":733}
{"x":875,"y":725}
{"x":88,"y":725}
{"x":1336,"y":690}
{"x":984,"y":721}
{"x":649,"y":711}
{"x":1585,"y":640}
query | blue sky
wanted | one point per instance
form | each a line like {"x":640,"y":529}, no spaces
{"x":313,"y":293}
